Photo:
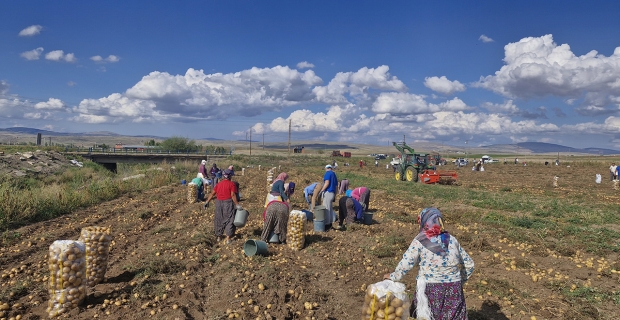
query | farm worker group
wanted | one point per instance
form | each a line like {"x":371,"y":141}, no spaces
{"x":439,"y":291}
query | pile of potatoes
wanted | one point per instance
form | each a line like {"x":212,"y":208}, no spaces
{"x":192,"y":192}
{"x":67,"y":282}
{"x":295,"y":234}
{"x":97,"y":241}
{"x":386,"y":300}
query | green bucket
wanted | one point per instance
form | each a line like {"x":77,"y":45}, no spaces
{"x":255,"y":247}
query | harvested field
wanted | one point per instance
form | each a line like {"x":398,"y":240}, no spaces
{"x":540,"y":251}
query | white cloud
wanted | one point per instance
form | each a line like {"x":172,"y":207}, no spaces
{"x":537,"y":67}
{"x":87,"y":118}
{"x":401,"y":103}
{"x":357,"y":85}
{"x":51,"y":104}
{"x":611,"y":125}
{"x":508,"y":107}
{"x":71,"y":83}
{"x":305,"y":65}
{"x":443,"y":85}
{"x":48,"y":127}
{"x":31,"y":31}
{"x":110,"y":58}
{"x":32,"y":54}
{"x":59,"y":55}
{"x":485,"y":39}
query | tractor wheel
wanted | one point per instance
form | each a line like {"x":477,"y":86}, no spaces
{"x":398,"y":176}
{"x":411,"y":174}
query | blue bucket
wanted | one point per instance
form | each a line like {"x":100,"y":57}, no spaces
{"x":319,"y":225}
{"x":254,"y":247}
{"x":183,"y":182}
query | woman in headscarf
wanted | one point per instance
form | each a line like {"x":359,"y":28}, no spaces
{"x":362,"y":194}
{"x":275,"y":219}
{"x":225,"y":205}
{"x":444,"y":266}
{"x":278,"y":190}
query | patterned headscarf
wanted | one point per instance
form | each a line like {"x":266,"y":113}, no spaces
{"x":282,"y":176}
{"x":431,"y":225}
{"x":227,"y":174}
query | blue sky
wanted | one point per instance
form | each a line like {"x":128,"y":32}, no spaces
{"x":488,"y":71}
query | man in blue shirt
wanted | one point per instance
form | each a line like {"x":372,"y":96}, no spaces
{"x":330,"y":186}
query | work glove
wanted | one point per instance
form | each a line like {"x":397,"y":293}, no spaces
{"x":206,"y":205}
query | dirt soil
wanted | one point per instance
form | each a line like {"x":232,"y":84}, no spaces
{"x":165,"y":263}
{"x":34,"y":163}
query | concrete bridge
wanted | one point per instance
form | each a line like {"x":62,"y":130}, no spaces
{"x":110,"y":160}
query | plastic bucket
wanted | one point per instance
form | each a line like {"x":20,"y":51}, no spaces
{"x":241,"y":217}
{"x":319,"y":226}
{"x":254,"y":247}
{"x":367,"y":218}
{"x":274,"y":238}
{"x":183,"y":182}
{"x":308,"y":215}
{"x":319,"y":213}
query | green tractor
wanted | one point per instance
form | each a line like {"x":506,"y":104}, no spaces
{"x":411,"y":163}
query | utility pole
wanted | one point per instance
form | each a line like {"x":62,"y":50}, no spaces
{"x":403,"y":139}
{"x":289,"y":137}
{"x":250,"y":140}
{"x":263,"y":142}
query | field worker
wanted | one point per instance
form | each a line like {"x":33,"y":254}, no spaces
{"x":344,"y":186}
{"x":376,"y":164}
{"x":275,"y":220}
{"x":232,"y":169}
{"x":312,"y":194}
{"x":335,"y":165}
{"x":362,"y":194}
{"x":225,"y":205}
{"x":612,"y":171}
{"x":215,"y":172}
{"x":349,"y":211}
{"x":278,"y":190}
{"x":440,"y":279}
{"x":617,"y":171}
{"x":202,"y":170}
{"x":361,"y":164}
{"x":330,"y":185}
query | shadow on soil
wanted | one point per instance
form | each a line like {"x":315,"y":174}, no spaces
{"x":490,"y":310}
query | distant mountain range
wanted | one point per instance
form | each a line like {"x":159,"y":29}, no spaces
{"x":543,"y":147}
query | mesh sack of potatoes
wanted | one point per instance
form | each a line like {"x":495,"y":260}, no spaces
{"x":386,"y":300}
{"x":97,"y":242}
{"x":295,"y":233}
{"x":67,"y":282}
{"x":192,"y":192}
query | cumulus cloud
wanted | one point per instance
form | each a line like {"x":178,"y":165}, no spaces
{"x":356,"y":85}
{"x":32,"y":54}
{"x":59,"y":55}
{"x":537,"y":67}
{"x":51,"y":104}
{"x":31,"y":31}
{"x":611,"y":125}
{"x":485,"y":39}
{"x":509,"y":108}
{"x":110,"y":58}
{"x":197,"y":95}
{"x":402,"y":103}
{"x":443,"y":85}
{"x":305,"y":65}
{"x":71,"y":83}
